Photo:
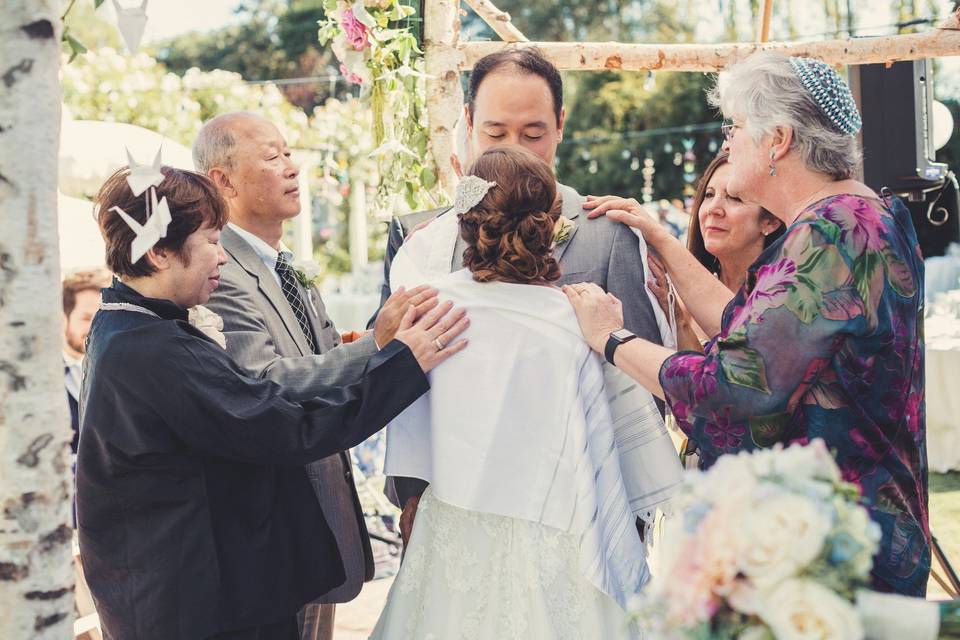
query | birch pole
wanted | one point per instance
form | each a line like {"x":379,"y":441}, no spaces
{"x":441,"y":30}
{"x":941,"y":41}
{"x":497,"y":20}
{"x":763,"y":32}
{"x":36,"y":574}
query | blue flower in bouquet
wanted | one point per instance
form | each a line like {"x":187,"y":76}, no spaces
{"x":843,"y":548}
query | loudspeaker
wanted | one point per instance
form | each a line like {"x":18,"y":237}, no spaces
{"x":895,"y":103}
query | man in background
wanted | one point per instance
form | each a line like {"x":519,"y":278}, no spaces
{"x":81,"y":299}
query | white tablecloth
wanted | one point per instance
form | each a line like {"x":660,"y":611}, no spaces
{"x":943,"y":392}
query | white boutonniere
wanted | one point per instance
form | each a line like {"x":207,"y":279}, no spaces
{"x":308,"y":273}
{"x":209,"y":323}
{"x":562,"y":230}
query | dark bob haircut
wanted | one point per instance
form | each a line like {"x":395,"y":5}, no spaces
{"x":194,"y":203}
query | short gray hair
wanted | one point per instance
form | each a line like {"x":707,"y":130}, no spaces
{"x":765,"y":92}
{"x":214,"y":144}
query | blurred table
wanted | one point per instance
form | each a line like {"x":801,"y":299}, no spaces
{"x":942,"y":333}
{"x":351,"y":311}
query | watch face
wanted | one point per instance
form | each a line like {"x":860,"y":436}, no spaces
{"x":621,"y":334}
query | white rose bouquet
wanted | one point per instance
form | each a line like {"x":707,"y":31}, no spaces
{"x":771,"y":544}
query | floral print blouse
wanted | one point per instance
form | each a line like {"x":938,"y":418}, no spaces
{"x":824,"y":340}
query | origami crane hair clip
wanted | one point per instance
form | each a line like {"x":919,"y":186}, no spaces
{"x":146,"y":178}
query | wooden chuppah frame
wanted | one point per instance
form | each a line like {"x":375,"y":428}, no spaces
{"x":446,"y":57}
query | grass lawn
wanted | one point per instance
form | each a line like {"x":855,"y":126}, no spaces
{"x":945,"y":522}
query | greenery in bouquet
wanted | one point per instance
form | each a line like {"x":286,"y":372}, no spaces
{"x":378,"y":53}
{"x":770,"y":544}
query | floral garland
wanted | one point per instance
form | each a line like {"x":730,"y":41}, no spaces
{"x":387,"y":62}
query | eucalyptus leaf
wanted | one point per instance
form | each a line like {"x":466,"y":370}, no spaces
{"x":428,"y":178}
{"x":76,"y":47}
{"x":362,"y":15}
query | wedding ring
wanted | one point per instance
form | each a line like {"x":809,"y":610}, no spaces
{"x":439,"y":345}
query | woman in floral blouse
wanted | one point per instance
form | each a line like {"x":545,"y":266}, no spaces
{"x":824,"y":338}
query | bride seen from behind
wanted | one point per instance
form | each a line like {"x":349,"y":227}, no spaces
{"x":528,"y":528}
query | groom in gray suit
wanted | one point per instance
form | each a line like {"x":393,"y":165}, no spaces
{"x":516,"y":97}
{"x":276,"y":325}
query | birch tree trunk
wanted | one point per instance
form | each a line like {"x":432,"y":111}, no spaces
{"x":441,"y":30}
{"x":36,"y":575}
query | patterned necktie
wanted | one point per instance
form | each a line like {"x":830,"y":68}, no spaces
{"x":288,"y":283}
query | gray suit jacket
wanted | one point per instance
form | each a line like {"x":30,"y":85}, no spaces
{"x":264,"y":337}
{"x":601,"y":251}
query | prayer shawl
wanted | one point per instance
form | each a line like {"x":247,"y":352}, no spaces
{"x":528,"y":422}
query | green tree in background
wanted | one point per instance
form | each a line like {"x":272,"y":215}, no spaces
{"x":273,"y":39}
{"x":108,"y":86}
{"x":612,"y":127}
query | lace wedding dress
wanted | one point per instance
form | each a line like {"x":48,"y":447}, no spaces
{"x":473,"y":576}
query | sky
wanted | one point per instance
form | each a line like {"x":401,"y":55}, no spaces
{"x":168,"y":18}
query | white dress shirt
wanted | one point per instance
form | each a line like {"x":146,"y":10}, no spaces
{"x":263,"y":250}
{"x":74,"y":373}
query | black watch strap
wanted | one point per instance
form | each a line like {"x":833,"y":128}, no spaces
{"x":616,"y":339}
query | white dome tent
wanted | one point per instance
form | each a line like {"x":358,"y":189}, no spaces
{"x":89,"y":152}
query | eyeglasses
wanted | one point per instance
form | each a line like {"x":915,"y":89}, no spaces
{"x":727,"y":128}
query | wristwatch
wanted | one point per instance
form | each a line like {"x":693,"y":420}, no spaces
{"x":616,"y":339}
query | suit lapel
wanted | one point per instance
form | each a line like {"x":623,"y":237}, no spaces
{"x":250,"y":262}
{"x":572,"y":203}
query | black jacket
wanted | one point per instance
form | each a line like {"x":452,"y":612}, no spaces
{"x":195,"y":515}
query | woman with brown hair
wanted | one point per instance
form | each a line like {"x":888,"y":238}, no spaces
{"x":726,"y":235}
{"x":528,"y":526}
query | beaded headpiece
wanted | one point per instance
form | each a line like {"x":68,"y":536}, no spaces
{"x":829,"y":92}
{"x":470,"y":191}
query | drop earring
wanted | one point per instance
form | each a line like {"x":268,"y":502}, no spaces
{"x":773,"y":168}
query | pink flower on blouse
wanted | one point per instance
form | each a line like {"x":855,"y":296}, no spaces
{"x":724,"y":433}
{"x":355,"y":31}
{"x":861,"y":226}
{"x":912,"y":412}
{"x":774,"y":282}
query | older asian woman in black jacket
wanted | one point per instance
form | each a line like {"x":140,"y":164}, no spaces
{"x":196,"y":518}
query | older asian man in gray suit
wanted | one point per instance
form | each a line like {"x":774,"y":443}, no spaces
{"x":277,"y":328}
{"x":516,"y":97}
